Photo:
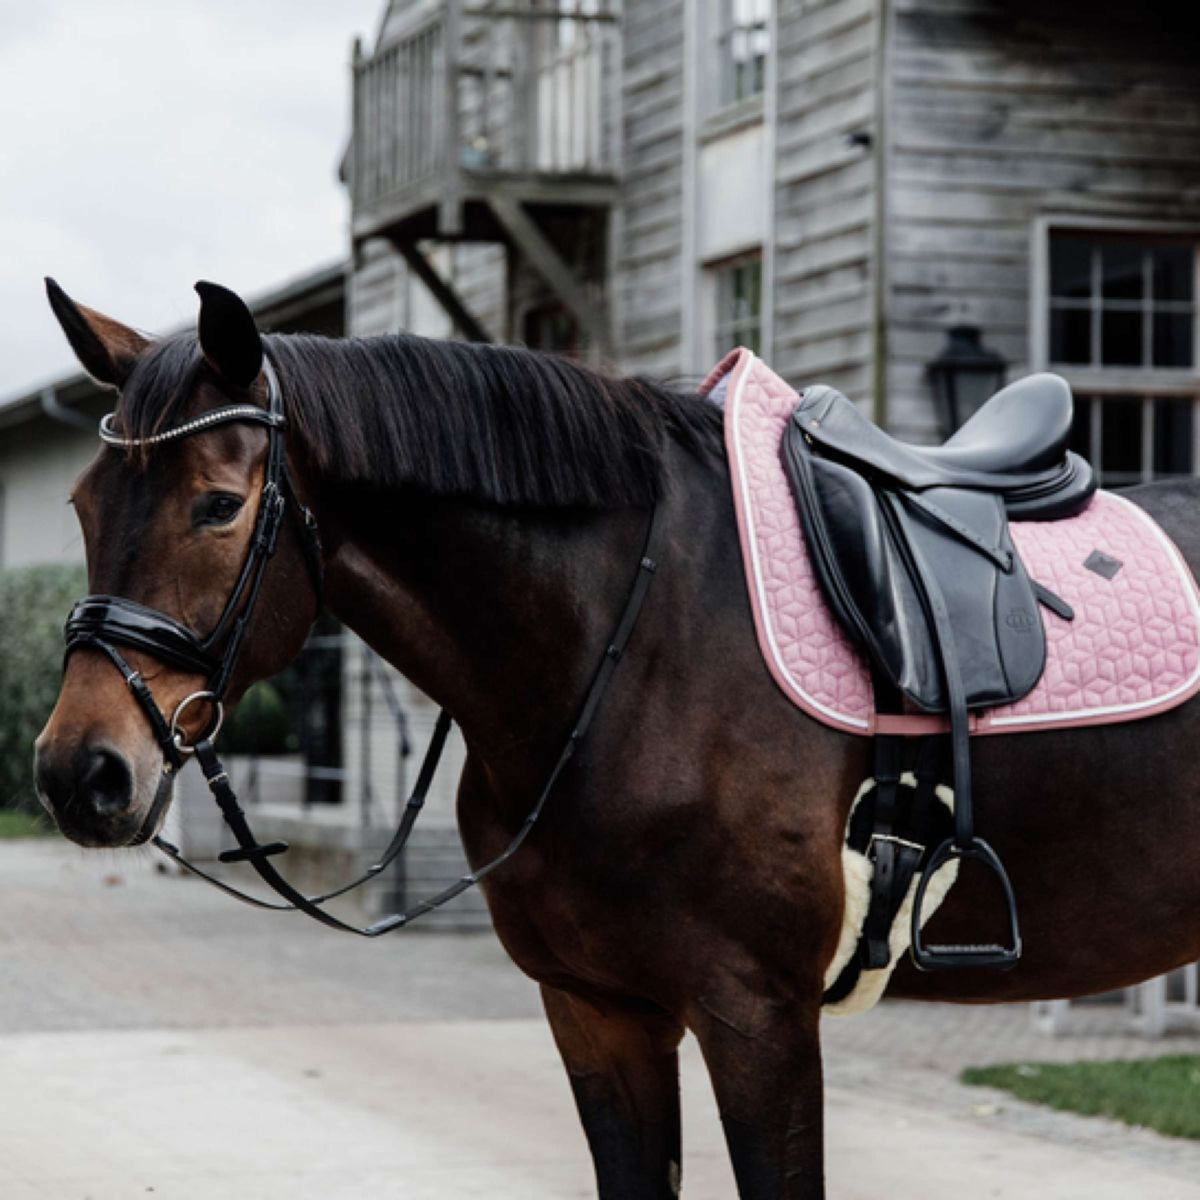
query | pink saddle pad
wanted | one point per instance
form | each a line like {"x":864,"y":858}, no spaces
{"x":1132,"y":650}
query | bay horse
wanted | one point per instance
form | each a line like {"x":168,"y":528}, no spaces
{"x":481,"y":510}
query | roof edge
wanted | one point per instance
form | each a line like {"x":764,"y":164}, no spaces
{"x":26,"y":403}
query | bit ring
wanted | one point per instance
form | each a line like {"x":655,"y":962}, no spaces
{"x":211,"y":732}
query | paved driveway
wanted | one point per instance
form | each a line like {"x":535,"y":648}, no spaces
{"x":156,"y":1040}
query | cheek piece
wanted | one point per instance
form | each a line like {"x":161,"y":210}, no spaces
{"x":105,"y":622}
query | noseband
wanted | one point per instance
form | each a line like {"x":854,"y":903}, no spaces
{"x":105,"y":622}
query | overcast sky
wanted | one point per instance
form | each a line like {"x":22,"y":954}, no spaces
{"x":145,"y":144}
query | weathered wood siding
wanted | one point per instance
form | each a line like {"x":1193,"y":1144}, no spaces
{"x":649,"y":223}
{"x":39,"y":463}
{"x":384,"y":296}
{"x":824,"y":192}
{"x":376,"y":297}
{"x":1000,"y":113}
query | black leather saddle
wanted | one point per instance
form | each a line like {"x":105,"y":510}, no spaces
{"x":912,"y":549}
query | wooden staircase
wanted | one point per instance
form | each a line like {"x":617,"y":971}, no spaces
{"x":492,"y":123}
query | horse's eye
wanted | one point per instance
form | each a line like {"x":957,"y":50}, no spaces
{"x":215,"y":508}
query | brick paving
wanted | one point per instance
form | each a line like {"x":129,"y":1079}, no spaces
{"x":948,"y":1037}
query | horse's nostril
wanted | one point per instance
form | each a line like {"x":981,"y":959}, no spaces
{"x":53,"y":784}
{"x":107,"y":784}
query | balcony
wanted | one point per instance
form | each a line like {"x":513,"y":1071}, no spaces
{"x":469,"y":114}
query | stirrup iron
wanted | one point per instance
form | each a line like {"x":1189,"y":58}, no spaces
{"x":943,"y":958}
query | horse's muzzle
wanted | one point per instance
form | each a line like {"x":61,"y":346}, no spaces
{"x":89,"y":793}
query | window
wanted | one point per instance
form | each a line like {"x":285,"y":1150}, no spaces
{"x":1121,"y":302}
{"x":739,"y":304}
{"x":743,"y":38}
{"x":1132,"y":439}
{"x":1121,"y":326}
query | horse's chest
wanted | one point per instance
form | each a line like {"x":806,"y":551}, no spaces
{"x":568,"y":908}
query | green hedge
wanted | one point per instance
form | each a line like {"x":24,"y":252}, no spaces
{"x":260,"y":724}
{"x":34,"y":602}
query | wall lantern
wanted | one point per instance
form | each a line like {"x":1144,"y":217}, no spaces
{"x":964,"y":375}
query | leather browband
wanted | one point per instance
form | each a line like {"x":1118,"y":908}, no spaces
{"x":231,"y":413}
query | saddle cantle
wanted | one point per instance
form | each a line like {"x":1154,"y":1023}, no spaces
{"x":913,"y":554}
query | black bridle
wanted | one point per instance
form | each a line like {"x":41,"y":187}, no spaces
{"x":105,"y":622}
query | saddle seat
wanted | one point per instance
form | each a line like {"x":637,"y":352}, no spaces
{"x":1015,"y":445}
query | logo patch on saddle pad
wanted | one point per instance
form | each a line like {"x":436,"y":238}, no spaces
{"x":1103,"y":564}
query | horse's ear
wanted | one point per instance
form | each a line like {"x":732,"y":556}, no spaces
{"x":105,"y":348}
{"x":228,"y":335}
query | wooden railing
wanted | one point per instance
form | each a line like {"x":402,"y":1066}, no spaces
{"x":513,"y":87}
{"x":400,"y":113}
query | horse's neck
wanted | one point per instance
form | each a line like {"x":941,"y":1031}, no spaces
{"x":500,"y":618}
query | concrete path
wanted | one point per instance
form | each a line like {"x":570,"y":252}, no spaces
{"x":456,"y":1109}
{"x":156,"y":1040}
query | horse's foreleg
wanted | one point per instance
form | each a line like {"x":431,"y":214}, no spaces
{"x":624,"y":1071}
{"x":765,"y":1065}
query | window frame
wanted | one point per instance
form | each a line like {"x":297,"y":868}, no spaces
{"x":724,"y":29}
{"x":1096,"y":384}
{"x":726,"y":334}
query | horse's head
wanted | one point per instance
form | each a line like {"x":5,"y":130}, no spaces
{"x":169,"y":524}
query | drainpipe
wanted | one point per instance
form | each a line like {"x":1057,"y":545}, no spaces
{"x":57,"y":411}
{"x":879,"y":247}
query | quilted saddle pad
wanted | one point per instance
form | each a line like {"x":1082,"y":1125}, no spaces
{"x":1132,"y":650}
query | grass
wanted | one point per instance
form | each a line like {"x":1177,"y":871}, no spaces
{"x":15,"y":823}
{"x":1162,"y":1094}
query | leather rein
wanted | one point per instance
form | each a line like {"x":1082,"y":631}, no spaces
{"x":104,"y":622}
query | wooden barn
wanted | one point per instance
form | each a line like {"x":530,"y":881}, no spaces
{"x":838,"y":184}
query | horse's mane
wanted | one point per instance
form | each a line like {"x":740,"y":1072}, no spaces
{"x":494,"y":423}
